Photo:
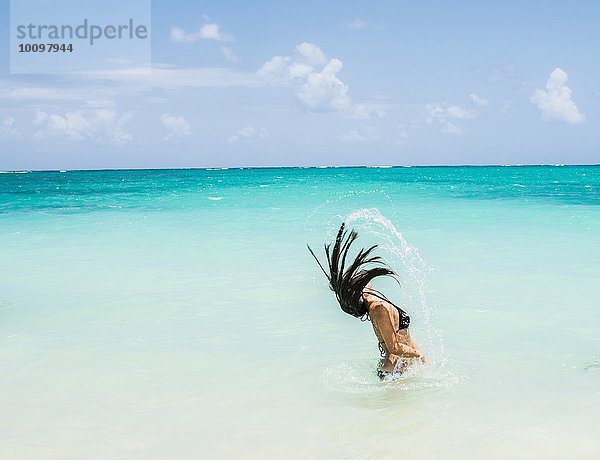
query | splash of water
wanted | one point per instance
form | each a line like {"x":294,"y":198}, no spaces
{"x":406,"y":261}
{"x":414,"y":274}
{"x":333,"y":210}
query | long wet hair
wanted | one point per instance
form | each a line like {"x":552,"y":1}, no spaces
{"x":348,"y":283}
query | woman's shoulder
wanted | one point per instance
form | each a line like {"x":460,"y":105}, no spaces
{"x":379,"y":310}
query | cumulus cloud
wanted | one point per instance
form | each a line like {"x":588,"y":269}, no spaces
{"x":555,"y":101}
{"x":177,"y":127}
{"x":40,"y":117}
{"x":312,"y":53}
{"x":208,"y":31}
{"x":7,"y":127}
{"x":248,"y":132}
{"x":276,"y":70}
{"x":446,"y":115}
{"x":478,"y":100}
{"x":314,"y":79}
{"x":98,"y":122}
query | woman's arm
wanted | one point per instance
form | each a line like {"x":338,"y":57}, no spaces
{"x":381,"y":315}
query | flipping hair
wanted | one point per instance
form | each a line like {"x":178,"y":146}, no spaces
{"x":348,"y":284}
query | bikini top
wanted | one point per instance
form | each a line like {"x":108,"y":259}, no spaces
{"x":403,"y":318}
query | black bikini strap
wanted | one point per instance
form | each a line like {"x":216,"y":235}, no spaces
{"x":382,"y":296}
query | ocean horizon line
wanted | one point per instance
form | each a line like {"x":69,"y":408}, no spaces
{"x":224,"y":168}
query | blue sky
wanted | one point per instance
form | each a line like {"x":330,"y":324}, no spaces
{"x":265,"y":83}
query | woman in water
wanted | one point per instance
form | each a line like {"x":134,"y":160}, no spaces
{"x":356,"y":296}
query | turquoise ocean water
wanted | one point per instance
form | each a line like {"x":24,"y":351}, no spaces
{"x":178,"y":314}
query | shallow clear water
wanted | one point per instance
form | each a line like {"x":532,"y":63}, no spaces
{"x":178,"y":314}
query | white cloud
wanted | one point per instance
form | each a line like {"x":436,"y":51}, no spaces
{"x":7,"y":127}
{"x":208,"y":31}
{"x":98,"y":124}
{"x":444,"y":115}
{"x":356,"y":24}
{"x":40,"y":117}
{"x":370,"y":133}
{"x":314,"y":79}
{"x":178,"y":34}
{"x":73,"y":125}
{"x":555,"y":101}
{"x":312,"y":53}
{"x":214,"y":32}
{"x":163,"y":76}
{"x":478,"y":100}
{"x":177,"y":127}
{"x":274,"y":70}
{"x":17,"y":91}
{"x":97,"y":86}
{"x":324,"y":89}
{"x":248,"y":132}
{"x":64,"y":88}
{"x":459,"y":113}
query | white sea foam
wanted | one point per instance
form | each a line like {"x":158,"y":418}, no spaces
{"x":359,"y":377}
